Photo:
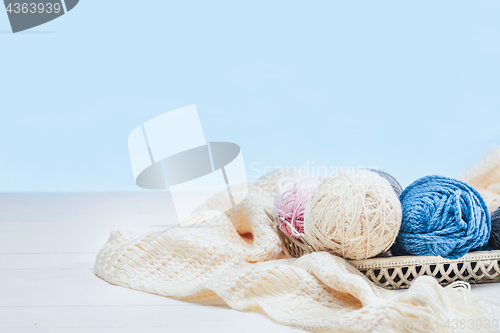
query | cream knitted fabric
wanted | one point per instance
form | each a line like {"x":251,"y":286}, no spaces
{"x":484,"y":176}
{"x":218,"y":255}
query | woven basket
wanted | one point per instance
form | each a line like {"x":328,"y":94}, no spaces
{"x":399,"y":272}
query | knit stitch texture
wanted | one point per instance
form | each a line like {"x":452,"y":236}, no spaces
{"x":214,"y":257}
{"x":484,"y":176}
{"x":442,"y":217}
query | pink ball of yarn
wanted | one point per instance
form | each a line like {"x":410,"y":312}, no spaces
{"x":291,"y":206}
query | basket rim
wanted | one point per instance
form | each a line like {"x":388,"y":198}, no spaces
{"x":297,"y":242}
{"x":397,"y":261}
{"x":401,"y":261}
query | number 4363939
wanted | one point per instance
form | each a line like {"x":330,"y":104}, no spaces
{"x":33,"y":8}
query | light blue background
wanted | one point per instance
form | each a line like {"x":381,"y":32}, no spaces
{"x":409,"y":87}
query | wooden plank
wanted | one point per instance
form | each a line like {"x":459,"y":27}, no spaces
{"x":78,"y":222}
{"x":16,"y":261}
{"x":75,"y":287}
{"x":271,"y":328}
{"x":170,"y":319}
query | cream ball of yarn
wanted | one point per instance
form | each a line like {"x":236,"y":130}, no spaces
{"x":354,"y":214}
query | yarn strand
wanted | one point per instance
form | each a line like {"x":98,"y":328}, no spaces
{"x":442,"y":217}
{"x":354,"y":214}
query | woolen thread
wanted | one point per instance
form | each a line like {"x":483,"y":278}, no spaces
{"x":396,"y":186}
{"x":442,"y":217}
{"x":291,"y":206}
{"x":398,"y":189}
{"x":354,"y":214}
{"x":494,"y":241}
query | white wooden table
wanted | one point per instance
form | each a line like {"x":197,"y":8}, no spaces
{"x":48,"y":243}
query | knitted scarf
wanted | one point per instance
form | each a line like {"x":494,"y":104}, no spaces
{"x":484,"y":176}
{"x":238,"y":257}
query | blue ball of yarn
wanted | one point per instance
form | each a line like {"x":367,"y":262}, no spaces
{"x":442,"y":217}
{"x":494,"y":241}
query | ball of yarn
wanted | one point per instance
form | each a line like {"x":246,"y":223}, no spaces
{"x":442,"y":217}
{"x":494,"y":241}
{"x":353,"y":214}
{"x":396,"y":186}
{"x":291,"y":205}
{"x":394,"y":183}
